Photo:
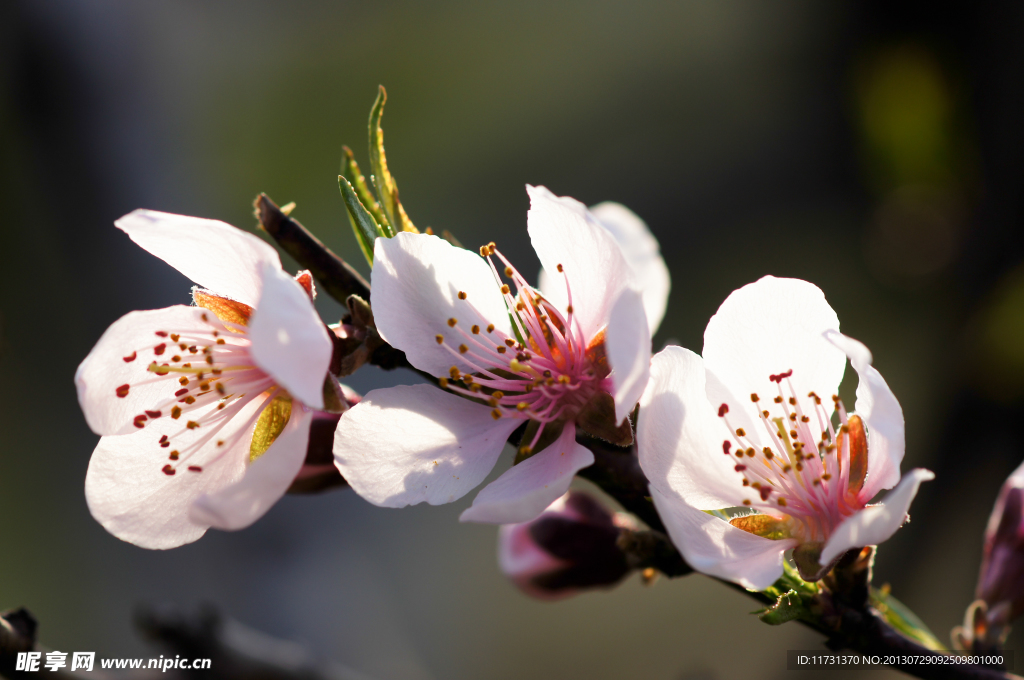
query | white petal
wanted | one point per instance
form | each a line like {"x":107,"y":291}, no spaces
{"x":628,"y":347}
{"x":130,"y":495}
{"x":766,"y":328}
{"x":215,"y":255}
{"x":563,"y":233}
{"x":875,"y":523}
{"x":643,"y":255}
{"x":134,"y":337}
{"x":712,"y":546}
{"x":525,"y":490}
{"x":416,"y":283}
{"x":265,"y":481}
{"x":289,"y":341}
{"x":679,"y":437}
{"x":405,"y":445}
{"x":877,"y":405}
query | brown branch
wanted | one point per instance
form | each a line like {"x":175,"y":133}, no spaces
{"x":852,"y":625}
{"x":337,"y":277}
{"x":236,"y":652}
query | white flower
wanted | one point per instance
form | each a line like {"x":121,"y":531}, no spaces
{"x":751,"y":426}
{"x":177,"y":392}
{"x":578,"y":354}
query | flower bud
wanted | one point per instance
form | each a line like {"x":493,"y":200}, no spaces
{"x":570,"y":547}
{"x":1001,"y":581}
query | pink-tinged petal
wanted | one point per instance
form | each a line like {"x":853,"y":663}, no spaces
{"x":628,"y":347}
{"x":642,"y":253}
{"x":878,"y":406}
{"x":713,"y":546}
{"x":215,"y":255}
{"x":679,"y":436}
{"x":521,"y":559}
{"x":416,"y":284}
{"x":131,"y":495}
{"x":767,"y":328}
{"x":564,"y":233}
{"x":876,"y":523}
{"x":289,"y":341}
{"x":525,"y":490}
{"x":416,"y":443}
{"x":265,"y":480}
{"x":118,"y":365}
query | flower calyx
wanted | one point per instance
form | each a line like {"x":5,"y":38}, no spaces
{"x":355,"y":338}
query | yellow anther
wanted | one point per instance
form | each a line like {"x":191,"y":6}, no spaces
{"x":439,"y":338}
{"x":463,"y":349}
{"x":522,"y":406}
{"x":443,"y":382}
{"x":508,"y":271}
{"x":452,"y":321}
{"x":476,"y":330}
{"x":490,"y":328}
{"x":496,"y":414}
{"x":505,"y":289}
{"x":462,"y":295}
{"x":560,"y":270}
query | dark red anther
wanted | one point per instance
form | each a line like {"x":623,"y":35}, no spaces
{"x":180,"y":392}
{"x":122,"y":391}
{"x":161,"y":334}
{"x":765,"y":491}
{"x":130,"y":357}
{"x":740,"y":467}
{"x":167,"y":469}
{"x":154,"y":414}
{"x":726,"y":445}
{"x":140,"y":421}
{"x":159,"y":349}
{"x":722,"y":410}
{"x":195,"y":468}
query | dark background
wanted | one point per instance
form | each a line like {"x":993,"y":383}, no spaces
{"x":873,"y":148}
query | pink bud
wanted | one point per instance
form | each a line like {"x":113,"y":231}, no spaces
{"x":1002,"y":566}
{"x":570,"y":547}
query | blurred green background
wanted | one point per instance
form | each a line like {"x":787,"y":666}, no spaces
{"x":872,"y":148}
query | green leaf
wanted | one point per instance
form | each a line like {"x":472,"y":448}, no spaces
{"x":271,"y":424}
{"x":350,"y":171}
{"x":366,"y":228}
{"x":790,"y":606}
{"x":385,"y":184}
{"x":900,"y":617}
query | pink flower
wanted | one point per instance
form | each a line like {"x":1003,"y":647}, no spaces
{"x":750,"y":427}
{"x":577,"y":354}
{"x":177,"y":392}
{"x":569,"y":547}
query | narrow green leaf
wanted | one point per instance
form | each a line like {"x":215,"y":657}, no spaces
{"x":900,"y":617}
{"x":788,"y":607}
{"x":385,"y":184}
{"x":366,"y":228}
{"x":350,"y":171}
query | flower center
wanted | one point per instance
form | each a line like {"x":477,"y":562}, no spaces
{"x":545,"y":371}
{"x":205,"y":376}
{"x":812,"y":472}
